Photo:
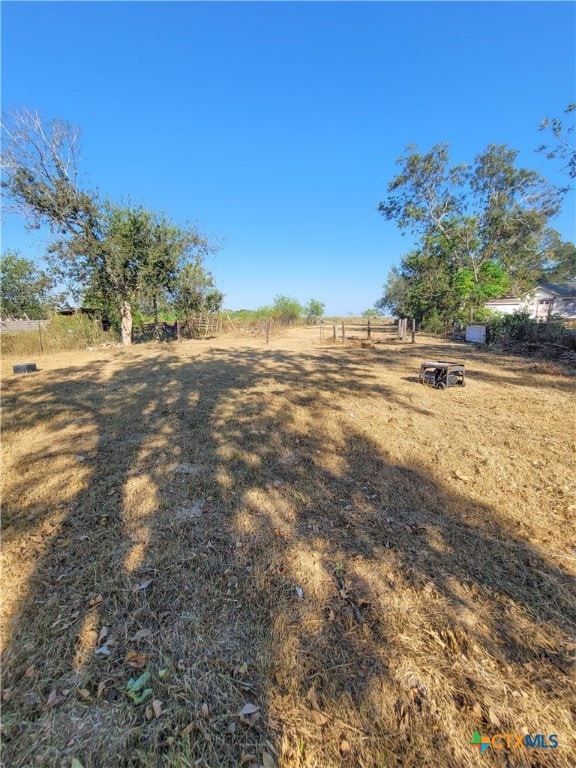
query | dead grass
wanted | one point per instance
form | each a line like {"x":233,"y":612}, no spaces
{"x":378,"y":568}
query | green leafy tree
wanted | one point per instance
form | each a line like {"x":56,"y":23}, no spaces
{"x":480,"y":229}
{"x":286,"y":310}
{"x":372,"y":312}
{"x":313,"y":310}
{"x":491,"y":211}
{"x":560,"y":258}
{"x":113,"y":255}
{"x":25,"y":289}
{"x":195,"y":291}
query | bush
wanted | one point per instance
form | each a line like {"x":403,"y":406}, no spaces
{"x":62,"y":333}
{"x":521,"y":327}
{"x":286,"y":310}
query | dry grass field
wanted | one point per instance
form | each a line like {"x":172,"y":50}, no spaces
{"x":314,"y":560}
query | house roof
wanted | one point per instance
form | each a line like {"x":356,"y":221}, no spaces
{"x":559,"y":289}
{"x":503,"y":301}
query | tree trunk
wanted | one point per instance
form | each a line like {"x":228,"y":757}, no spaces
{"x":126,"y":314}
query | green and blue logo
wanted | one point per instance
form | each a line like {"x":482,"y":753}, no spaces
{"x":513,"y":741}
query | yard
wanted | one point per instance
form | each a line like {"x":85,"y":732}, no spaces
{"x":318,"y":561}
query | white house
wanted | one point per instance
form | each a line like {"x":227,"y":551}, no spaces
{"x":548,"y":299}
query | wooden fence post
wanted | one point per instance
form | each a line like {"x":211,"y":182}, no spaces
{"x":369,"y":328}
{"x":343,"y":332}
{"x":334,"y":330}
{"x":178,"y":331}
{"x":413,"y":330}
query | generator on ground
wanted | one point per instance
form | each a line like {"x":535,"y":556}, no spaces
{"x":440,"y":374}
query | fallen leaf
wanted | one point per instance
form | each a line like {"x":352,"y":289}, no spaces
{"x":96,"y":601}
{"x":141,"y":634}
{"x":429,"y":587}
{"x":204,"y":711}
{"x":188,"y":730}
{"x":143,"y":585}
{"x":157,"y":708}
{"x":247,"y":758}
{"x":51,"y":698}
{"x":268,"y":761}
{"x":318,"y":718}
{"x":162,"y":673}
{"x":135,"y":659}
{"x":248,"y":709}
{"x":345,"y":748}
{"x":241,"y":670}
{"x":134,"y":687}
{"x":103,"y":634}
{"x":85,"y":693}
{"x":477,"y":710}
{"x":299,"y":591}
{"x":311,"y":696}
{"x":103,"y":651}
{"x":76,"y":763}
{"x":251,"y":720}
{"x":30,"y":671}
{"x":493,"y":717}
{"x":148,"y":714}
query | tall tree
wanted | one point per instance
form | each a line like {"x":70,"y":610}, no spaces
{"x":40,"y":174}
{"x":113,"y":254}
{"x":482,"y":224}
{"x":491,"y":211}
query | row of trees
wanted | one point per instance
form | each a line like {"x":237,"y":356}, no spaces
{"x":482,"y":230}
{"x":111,"y":256}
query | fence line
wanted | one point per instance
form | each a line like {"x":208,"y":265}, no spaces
{"x":400,"y":329}
{"x":16,"y":326}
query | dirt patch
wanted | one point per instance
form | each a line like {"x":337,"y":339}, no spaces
{"x":313,"y":559}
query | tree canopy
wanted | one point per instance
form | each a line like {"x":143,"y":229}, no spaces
{"x":480,"y":229}
{"x":25,"y":289}
{"x":113,"y":255}
{"x":563,"y":147}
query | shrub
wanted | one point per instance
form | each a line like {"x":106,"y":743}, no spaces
{"x":62,"y":333}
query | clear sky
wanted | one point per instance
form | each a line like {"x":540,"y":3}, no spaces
{"x":276,"y":125}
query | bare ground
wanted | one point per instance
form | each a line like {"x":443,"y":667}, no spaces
{"x":377,"y":569}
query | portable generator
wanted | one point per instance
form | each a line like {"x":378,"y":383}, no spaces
{"x":440,"y":374}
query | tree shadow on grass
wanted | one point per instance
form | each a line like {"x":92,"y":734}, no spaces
{"x":198,"y":498}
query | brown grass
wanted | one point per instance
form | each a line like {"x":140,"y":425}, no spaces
{"x":379,"y":567}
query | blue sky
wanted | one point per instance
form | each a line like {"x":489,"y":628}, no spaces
{"x":276,"y":125}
